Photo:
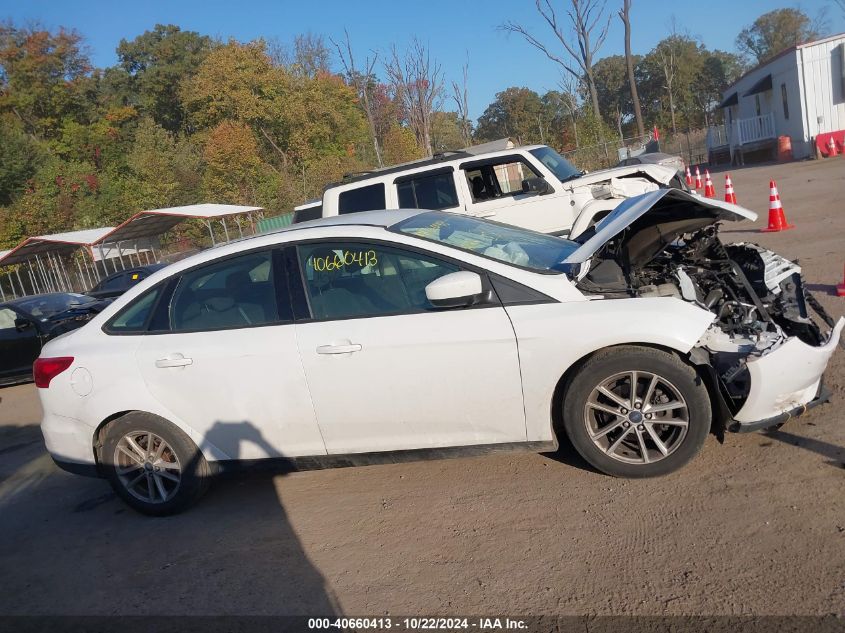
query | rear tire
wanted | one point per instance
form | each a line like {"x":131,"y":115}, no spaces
{"x":648,"y":431}
{"x":153,"y":465}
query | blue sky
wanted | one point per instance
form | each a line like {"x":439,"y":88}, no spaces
{"x":453,"y":29}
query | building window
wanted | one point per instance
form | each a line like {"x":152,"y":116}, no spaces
{"x":785,"y":101}
{"x":757,"y":103}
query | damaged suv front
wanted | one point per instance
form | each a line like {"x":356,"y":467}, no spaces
{"x":763,"y":353}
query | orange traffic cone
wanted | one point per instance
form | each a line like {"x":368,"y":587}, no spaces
{"x":840,"y":289}
{"x":698,"y":184}
{"x":709,"y":189}
{"x":777,"y":218}
{"x":688,"y":177}
{"x":831,"y":147}
{"x":730,"y":196}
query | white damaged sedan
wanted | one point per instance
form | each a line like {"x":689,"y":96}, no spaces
{"x":390,"y":335}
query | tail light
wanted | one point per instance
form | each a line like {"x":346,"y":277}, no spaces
{"x":45,"y":369}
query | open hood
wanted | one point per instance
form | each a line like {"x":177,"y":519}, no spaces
{"x":657,"y":218}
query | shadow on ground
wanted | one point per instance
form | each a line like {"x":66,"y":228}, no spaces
{"x":77,"y":549}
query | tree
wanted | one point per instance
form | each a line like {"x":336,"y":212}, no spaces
{"x":364,"y":85}
{"x":20,"y":158}
{"x":775,"y":31}
{"x":625,"y":16}
{"x":156,"y":61}
{"x":447,"y":132}
{"x":43,"y":77}
{"x":587,"y":19}
{"x":460,"y":95}
{"x":516,"y":113}
{"x":417,"y":83}
{"x":610,"y":76}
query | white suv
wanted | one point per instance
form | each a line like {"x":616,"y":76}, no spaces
{"x":533,"y":187}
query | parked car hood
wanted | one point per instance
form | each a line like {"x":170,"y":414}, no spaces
{"x":657,"y":219}
{"x":658,"y":173}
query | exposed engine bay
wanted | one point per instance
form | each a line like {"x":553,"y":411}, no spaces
{"x":757,"y":296}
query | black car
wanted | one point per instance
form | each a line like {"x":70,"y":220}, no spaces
{"x":117,"y":283}
{"x":26,"y":324}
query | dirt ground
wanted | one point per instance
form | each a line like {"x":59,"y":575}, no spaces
{"x":754,"y":526}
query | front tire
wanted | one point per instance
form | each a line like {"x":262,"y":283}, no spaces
{"x":636,"y":412}
{"x":153,"y":465}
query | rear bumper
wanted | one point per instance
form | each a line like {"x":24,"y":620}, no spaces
{"x":822,"y":396}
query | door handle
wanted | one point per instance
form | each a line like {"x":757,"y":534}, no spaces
{"x":174,"y":360}
{"x":339,"y":349}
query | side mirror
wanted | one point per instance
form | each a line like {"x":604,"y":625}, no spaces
{"x":537,"y":185}
{"x":455,"y":290}
{"x":22,"y":324}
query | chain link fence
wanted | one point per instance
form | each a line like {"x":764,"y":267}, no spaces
{"x":690,"y":145}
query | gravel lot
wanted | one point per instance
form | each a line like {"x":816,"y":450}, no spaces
{"x":755,"y":526}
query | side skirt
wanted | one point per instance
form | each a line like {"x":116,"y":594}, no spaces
{"x":320,"y":462}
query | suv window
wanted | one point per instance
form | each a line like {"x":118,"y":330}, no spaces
{"x":367,"y":198}
{"x":134,"y":317}
{"x":236,"y":292}
{"x":497,"y":179}
{"x":427,"y":191}
{"x":356,"y":279}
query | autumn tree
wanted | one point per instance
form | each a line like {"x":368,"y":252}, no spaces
{"x":775,"y":31}
{"x":43,"y":77}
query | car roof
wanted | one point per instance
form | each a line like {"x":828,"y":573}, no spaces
{"x":17,"y":300}
{"x":382,"y":217}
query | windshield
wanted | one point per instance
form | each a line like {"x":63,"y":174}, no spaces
{"x":559,"y":166}
{"x":511,"y":245}
{"x":42,"y":307}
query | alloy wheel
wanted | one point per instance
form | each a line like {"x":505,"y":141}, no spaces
{"x":147,"y":467}
{"x":636,"y":417}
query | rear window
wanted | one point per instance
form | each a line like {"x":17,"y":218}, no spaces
{"x":367,"y":198}
{"x":134,"y":317}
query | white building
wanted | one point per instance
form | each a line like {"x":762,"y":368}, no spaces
{"x":800,"y":93}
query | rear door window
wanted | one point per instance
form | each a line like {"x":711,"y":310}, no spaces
{"x":235,"y":292}
{"x":434,"y":191}
{"x":369,"y":198}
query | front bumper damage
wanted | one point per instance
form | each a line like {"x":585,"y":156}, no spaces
{"x":785,"y":383}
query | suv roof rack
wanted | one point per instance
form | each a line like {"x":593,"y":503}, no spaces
{"x":439,"y":157}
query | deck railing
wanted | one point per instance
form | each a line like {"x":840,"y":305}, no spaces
{"x":742,"y":131}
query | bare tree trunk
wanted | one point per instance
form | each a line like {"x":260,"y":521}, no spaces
{"x":585,"y":17}
{"x":361,"y":82}
{"x":460,"y":96}
{"x":625,"y":15}
{"x":418,"y":82}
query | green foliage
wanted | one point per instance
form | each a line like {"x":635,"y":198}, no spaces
{"x":775,"y":31}
{"x":20,"y":157}
{"x":516,"y":113}
{"x":155,"y":62}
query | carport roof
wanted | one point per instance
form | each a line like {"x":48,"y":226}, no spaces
{"x":157,"y":221}
{"x":55,"y":243}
